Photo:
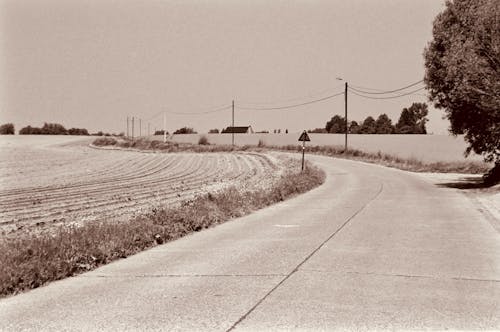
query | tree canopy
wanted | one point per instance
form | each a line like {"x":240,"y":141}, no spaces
{"x":336,"y":125}
{"x":463,"y":72}
{"x":413,"y":119}
{"x":7,"y":129}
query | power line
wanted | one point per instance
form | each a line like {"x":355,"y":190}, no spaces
{"x":189,"y":113}
{"x":289,"y":106}
{"x":353,"y":87}
{"x":390,"y":97}
{"x":204,"y":112}
{"x":310,"y":95}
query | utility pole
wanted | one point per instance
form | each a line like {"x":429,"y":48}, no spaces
{"x":149,"y":124}
{"x":346,"y":123}
{"x":140,"y":127}
{"x":127,"y":127}
{"x":164,"y":127}
{"x":232,"y":131}
{"x":133,"y":127}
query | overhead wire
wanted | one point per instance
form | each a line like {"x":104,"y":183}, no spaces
{"x":270,"y":103}
{"x":357,"y":89}
{"x":220,"y":109}
{"x":389,"y":97}
{"x":289,"y":106}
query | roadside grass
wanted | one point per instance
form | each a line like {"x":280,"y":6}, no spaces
{"x":30,"y":260}
{"x":407,"y":164}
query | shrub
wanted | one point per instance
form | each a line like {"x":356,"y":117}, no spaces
{"x":185,"y":130}
{"x":203,"y":140}
{"x":104,"y":141}
{"x":7,"y":129}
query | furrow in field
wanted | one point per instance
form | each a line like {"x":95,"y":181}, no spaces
{"x":142,"y":182}
{"x":107,"y":203}
{"x":103,"y":184}
{"x":89,"y":179}
{"x":94,"y":190}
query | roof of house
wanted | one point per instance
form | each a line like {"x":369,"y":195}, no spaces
{"x":236,"y":130}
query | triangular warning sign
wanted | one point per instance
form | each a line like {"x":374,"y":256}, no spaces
{"x":304,"y":137}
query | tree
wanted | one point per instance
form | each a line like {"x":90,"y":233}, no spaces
{"x":78,"y":131}
{"x":185,"y":130}
{"x":462,"y":73}
{"x":368,"y":126}
{"x":354,"y":127}
{"x":7,"y":129}
{"x":53,"y":129}
{"x":336,"y":125}
{"x":413,"y":119}
{"x":383,"y":125}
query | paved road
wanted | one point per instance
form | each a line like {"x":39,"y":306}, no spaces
{"x":373,"y":248}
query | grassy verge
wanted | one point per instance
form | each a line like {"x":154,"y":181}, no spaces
{"x":407,"y":164}
{"x":30,"y":261}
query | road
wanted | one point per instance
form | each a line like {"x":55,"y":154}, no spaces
{"x":372,"y":248}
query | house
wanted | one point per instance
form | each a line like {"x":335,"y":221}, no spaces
{"x":238,"y":130}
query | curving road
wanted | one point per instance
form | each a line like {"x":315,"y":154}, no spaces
{"x":373,"y":248}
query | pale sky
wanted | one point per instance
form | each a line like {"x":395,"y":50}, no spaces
{"x":92,"y":63}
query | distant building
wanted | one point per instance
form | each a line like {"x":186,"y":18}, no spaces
{"x":238,"y":130}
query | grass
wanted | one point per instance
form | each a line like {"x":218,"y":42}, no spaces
{"x":30,"y":261}
{"x":407,"y":164}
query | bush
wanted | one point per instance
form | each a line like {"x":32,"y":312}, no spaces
{"x":185,"y":130}
{"x":104,"y":141}
{"x":78,"y":131}
{"x":7,"y":129}
{"x":203,"y":140}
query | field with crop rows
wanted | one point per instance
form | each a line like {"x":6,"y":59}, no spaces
{"x":47,"y":181}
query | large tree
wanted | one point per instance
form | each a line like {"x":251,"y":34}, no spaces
{"x":368,"y":126}
{"x":463,"y":72}
{"x":7,"y":129}
{"x":384,"y":125}
{"x":336,"y":125}
{"x":412,"y":119}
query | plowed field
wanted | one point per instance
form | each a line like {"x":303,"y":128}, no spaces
{"x":47,"y":181}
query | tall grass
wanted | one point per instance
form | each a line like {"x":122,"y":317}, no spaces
{"x":30,"y":261}
{"x":407,"y":164}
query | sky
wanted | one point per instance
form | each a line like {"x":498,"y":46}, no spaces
{"x":93,"y":63}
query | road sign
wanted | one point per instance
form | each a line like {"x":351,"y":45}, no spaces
{"x":304,"y":137}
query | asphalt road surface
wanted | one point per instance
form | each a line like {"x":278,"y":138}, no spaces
{"x":373,"y":248}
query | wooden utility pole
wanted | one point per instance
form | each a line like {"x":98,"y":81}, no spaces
{"x":127,"y":128}
{"x":149,"y":125}
{"x":140,"y":127}
{"x":164,"y":127}
{"x":133,"y":127}
{"x":232,"y":138}
{"x":346,"y":123}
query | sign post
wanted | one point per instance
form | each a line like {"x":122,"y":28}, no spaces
{"x":304,"y":138}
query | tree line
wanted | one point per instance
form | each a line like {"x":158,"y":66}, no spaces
{"x":411,"y":121}
{"x":49,"y":129}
